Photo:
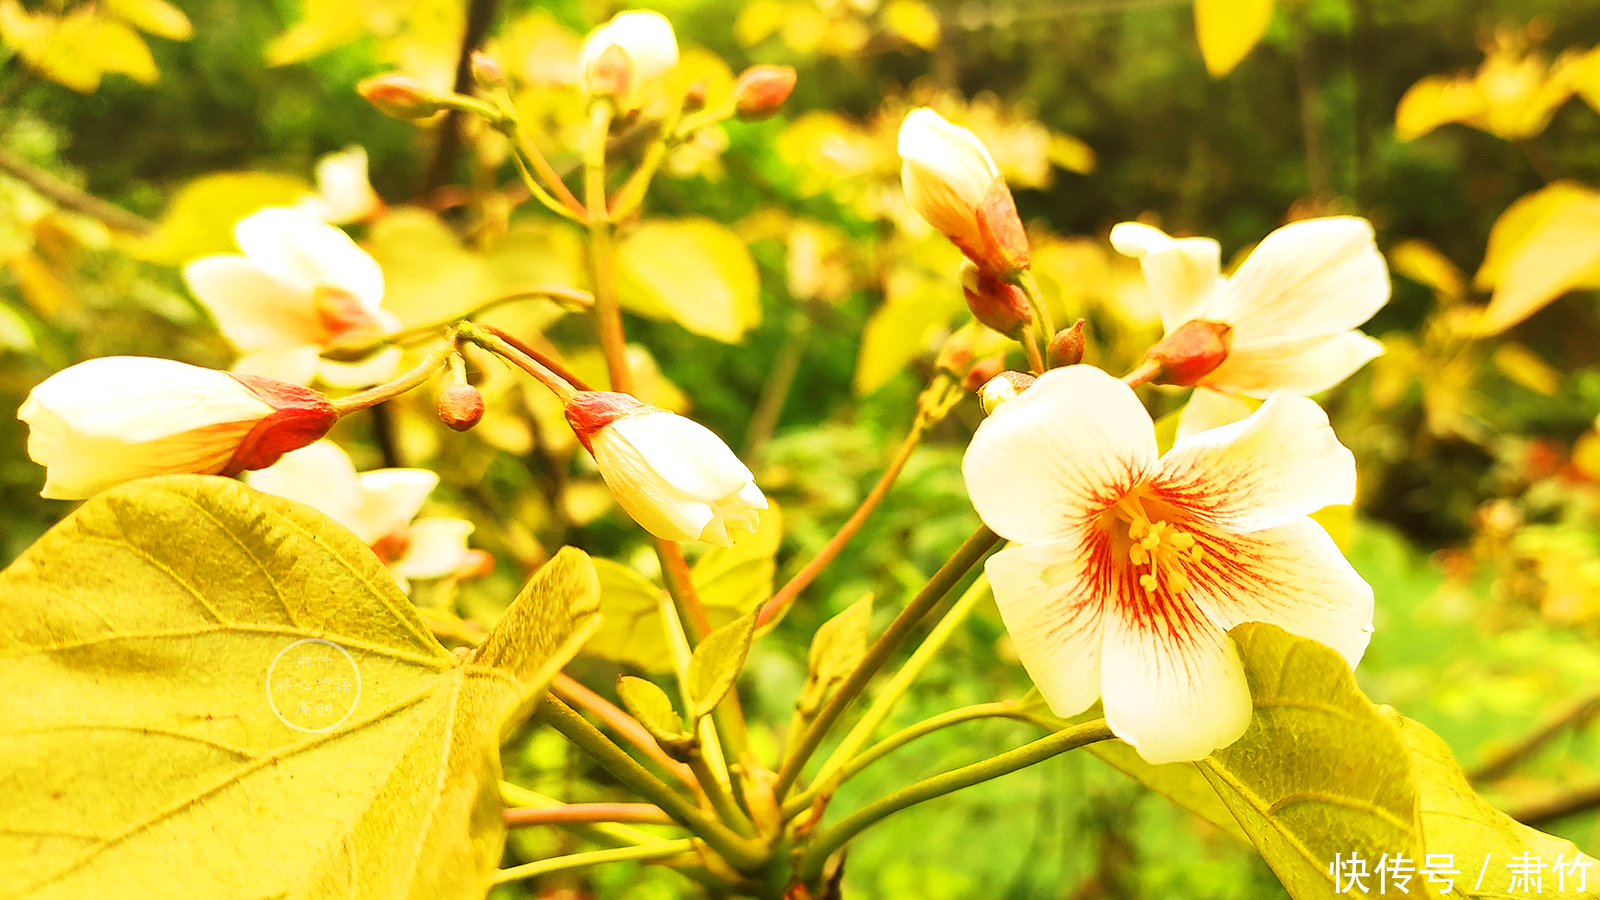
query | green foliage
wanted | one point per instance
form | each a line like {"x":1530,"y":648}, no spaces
{"x":839,"y":645}
{"x":145,"y":646}
{"x":715,"y":664}
{"x":653,"y":708}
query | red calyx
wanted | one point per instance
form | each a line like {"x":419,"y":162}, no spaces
{"x":994,"y":302}
{"x":1005,"y":243}
{"x":1192,"y":351}
{"x":300,"y":417}
{"x":591,"y":411}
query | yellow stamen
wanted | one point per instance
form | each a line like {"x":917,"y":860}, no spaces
{"x":1164,"y":548}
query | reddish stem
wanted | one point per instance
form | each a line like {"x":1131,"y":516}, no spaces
{"x":575,"y":813}
{"x":627,"y":727}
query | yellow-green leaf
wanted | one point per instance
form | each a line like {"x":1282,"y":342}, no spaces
{"x":1524,"y":367}
{"x":323,"y":25}
{"x":734,"y":580}
{"x":1544,"y":245}
{"x":200,"y":219}
{"x":631,"y":630}
{"x":1179,"y":782}
{"x":157,"y":17}
{"x":919,"y":300}
{"x":716,"y":663}
{"x":1321,"y":771}
{"x":156,"y":648}
{"x":653,"y":708}
{"x":695,"y":272}
{"x":838,"y":646}
{"x":912,"y":20}
{"x":1422,"y":262}
{"x":1228,"y":30}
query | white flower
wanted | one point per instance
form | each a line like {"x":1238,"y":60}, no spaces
{"x":946,"y":172}
{"x":1293,"y":304}
{"x":109,"y":420}
{"x":300,"y":285}
{"x":651,"y":48}
{"x":344,"y":194}
{"x":672,"y":475}
{"x":378,"y":506}
{"x":1127,"y":570}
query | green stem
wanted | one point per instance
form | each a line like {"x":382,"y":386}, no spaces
{"x":775,"y":392}
{"x":827,"y":785}
{"x":901,"y":682}
{"x":632,"y":193}
{"x":815,"y":855}
{"x":557,"y":292}
{"x":657,"y":850}
{"x":1041,"y":312}
{"x":721,"y":801}
{"x":951,"y":572}
{"x":740,"y":852}
{"x":412,"y":379}
{"x":497,"y":345}
{"x":603,"y":252}
{"x":528,"y":149}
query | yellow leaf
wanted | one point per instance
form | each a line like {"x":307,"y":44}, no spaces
{"x":158,"y":716}
{"x":1436,"y":100}
{"x":759,"y":20}
{"x":117,"y":48}
{"x":695,"y":272}
{"x":41,"y":286}
{"x":1544,"y":245}
{"x":323,"y":25}
{"x":912,"y":20}
{"x":1422,"y":262}
{"x":1071,"y":154}
{"x":77,"y":49}
{"x":919,"y":301}
{"x":200,"y":219}
{"x":157,"y":17}
{"x":1228,"y":30}
{"x":1524,"y":367}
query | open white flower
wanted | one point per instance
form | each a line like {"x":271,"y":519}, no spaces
{"x":378,"y":506}
{"x":300,"y":285}
{"x":1292,"y":305}
{"x":674,"y":476}
{"x":113,"y":419}
{"x":1128,"y":569}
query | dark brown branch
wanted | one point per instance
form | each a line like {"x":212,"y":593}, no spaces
{"x":72,"y":198}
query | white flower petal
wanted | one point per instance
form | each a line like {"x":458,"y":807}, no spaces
{"x":1054,"y":619}
{"x":688,"y":455}
{"x":658,"y":507}
{"x":1181,"y":273}
{"x":1303,"y":367}
{"x":1282,"y":462}
{"x":320,"y":475}
{"x":1046,"y":462}
{"x":296,"y":365}
{"x":254,"y":308}
{"x":299,"y":249}
{"x":946,"y":173}
{"x":1291,"y":575}
{"x":390,"y":498}
{"x":1172,"y":684}
{"x":437,"y":547}
{"x":1209,"y":409}
{"x":1308,"y":279}
{"x":345,"y":194}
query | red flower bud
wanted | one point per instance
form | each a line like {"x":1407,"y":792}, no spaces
{"x":761,"y":90}
{"x":1066,"y":348}
{"x":300,"y":417}
{"x":993,"y":302}
{"x":399,"y":96}
{"x":610,"y":73}
{"x":486,"y":72}
{"x":1192,"y":351}
{"x":460,"y":406}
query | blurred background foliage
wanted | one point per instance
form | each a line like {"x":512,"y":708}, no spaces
{"x":781,"y":293}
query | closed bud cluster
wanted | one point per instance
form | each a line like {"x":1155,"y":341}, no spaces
{"x":1192,"y":351}
{"x":761,"y":90}
{"x":672,"y":475}
{"x":1066,"y":348}
{"x":399,"y":96}
{"x":1001,"y":388}
{"x":460,"y":406}
{"x":646,"y":50}
{"x":109,"y":420}
{"x":994,"y":302}
{"x":951,"y":181}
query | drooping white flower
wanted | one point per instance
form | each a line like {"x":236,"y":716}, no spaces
{"x":378,"y":506}
{"x":671,"y":474}
{"x":1128,"y":569}
{"x":649,"y":48}
{"x":344,"y":193}
{"x":109,"y":420}
{"x":299,"y":285}
{"x":1293,"y":305}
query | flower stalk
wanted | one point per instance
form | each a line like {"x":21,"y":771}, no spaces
{"x":429,"y":367}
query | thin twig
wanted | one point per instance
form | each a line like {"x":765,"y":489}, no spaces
{"x":573,"y":813}
{"x":1573,"y":715}
{"x":72,"y":198}
{"x":1558,"y":807}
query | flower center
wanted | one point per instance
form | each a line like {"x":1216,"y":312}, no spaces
{"x":1156,"y":545}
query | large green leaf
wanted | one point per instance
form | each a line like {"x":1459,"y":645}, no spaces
{"x":696,"y":272}
{"x":200,"y":219}
{"x":1321,"y":773}
{"x":146,"y":746}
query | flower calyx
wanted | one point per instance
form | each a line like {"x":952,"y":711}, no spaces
{"x":1191,"y":351}
{"x":994,"y":302}
{"x":1003,"y":242}
{"x":300,"y":417}
{"x":1066,"y":348}
{"x":762,"y":90}
{"x":399,"y":97}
